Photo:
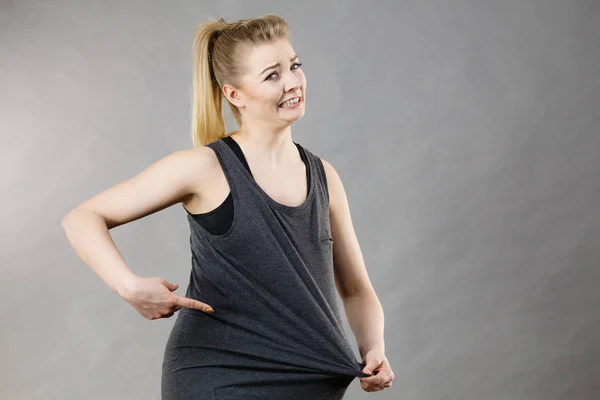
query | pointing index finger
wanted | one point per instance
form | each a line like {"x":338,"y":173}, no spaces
{"x":192,"y":303}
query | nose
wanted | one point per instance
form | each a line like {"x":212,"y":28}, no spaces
{"x":292,"y":82}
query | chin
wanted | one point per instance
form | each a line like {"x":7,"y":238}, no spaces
{"x":295,"y":117}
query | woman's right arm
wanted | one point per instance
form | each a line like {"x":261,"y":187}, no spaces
{"x":166,"y":182}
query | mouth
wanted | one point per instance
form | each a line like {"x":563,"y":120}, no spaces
{"x":294,"y":102}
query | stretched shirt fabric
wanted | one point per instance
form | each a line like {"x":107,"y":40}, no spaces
{"x":277,"y":330}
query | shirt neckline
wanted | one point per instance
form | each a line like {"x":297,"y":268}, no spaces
{"x":263,"y":193}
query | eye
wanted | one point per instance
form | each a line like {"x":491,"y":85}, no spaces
{"x":298,"y":64}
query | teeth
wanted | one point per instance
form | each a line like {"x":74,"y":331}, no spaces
{"x":290,"y":102}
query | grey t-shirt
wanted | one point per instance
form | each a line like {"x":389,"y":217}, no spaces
{"x":277,"y":330}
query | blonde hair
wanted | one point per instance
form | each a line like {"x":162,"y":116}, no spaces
{"x":218,"y":59}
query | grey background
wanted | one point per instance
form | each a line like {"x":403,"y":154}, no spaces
{"x":467,"y":134}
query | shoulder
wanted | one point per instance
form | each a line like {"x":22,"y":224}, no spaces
{"x":331,"y":174}
{"x":197,"y":158}
{"x":332,"y":182}
{"x":196,"y":165}
{"x":328,"y":168}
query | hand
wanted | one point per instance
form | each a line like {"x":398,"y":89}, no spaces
{"x":153,"y":298}
{"x":376,"y":362}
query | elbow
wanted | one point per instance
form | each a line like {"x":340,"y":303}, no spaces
{"x":69,"y":217}
{"x":65,"y":221}
{"x":80,"y":212}
{"x":361,"y":291}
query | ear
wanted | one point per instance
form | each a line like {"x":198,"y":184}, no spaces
{"x":233,"y":95}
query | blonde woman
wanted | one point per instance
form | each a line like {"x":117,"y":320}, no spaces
{"x":272,"y":242}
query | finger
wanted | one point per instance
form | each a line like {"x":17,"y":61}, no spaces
{"x":374,"y":388}
{"x":192,"y":303}
{"x":386,"y":381}
{"x":170,"y":286}
{"x":379,"y":381}
{"x":371,"y":380}
{"x":371,"y":366}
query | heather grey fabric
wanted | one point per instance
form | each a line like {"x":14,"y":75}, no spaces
{"x":277,"y":331}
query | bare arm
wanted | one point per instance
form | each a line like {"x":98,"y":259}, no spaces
{"x":162,"y":184}
{"x":363,"y":309}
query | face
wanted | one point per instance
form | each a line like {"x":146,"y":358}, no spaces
{"x":273,"y":75}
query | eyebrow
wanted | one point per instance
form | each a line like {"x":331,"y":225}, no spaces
{"x":276,"y":65}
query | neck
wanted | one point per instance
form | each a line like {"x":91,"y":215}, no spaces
{"x":271,"y":146}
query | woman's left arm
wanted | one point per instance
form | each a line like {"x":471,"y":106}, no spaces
{"x":361,"y":305}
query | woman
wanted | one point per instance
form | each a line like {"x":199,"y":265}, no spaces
{"x":262,"y":240}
